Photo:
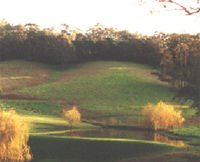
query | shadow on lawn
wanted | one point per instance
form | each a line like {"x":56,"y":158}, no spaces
{"x":91,"y":149}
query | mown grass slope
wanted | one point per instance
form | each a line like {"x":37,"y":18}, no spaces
{"x":102,"y":89}
{"x":109,"y":92}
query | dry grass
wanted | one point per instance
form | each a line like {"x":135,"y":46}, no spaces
{"x":17,"y":74}
{"x":162,"y":116}
{"x":72,"y":116}
{"x":13,"y":137}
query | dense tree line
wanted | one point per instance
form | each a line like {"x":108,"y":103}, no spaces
{"x":178,"y":55}
{"x":32,"y":43}
{"x":69,"y":46}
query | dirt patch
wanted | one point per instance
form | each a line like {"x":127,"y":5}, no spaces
{"x":18,"y":97}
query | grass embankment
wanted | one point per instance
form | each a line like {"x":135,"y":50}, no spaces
{"x":110,"y":92}
{"x":102,"y":90}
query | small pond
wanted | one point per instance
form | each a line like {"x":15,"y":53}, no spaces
{"x":126,"y":134}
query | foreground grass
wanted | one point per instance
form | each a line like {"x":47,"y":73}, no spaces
{"x":46,"y":147}
{"x":92,"y":149}
{"x":52,"y":125}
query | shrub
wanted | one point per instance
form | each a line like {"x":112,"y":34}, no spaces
{"x":162,"y":116}
{"x":13,"y":137}
{"x":72,"y":115}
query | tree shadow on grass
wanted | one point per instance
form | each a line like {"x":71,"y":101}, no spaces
{"x":91,"y":149}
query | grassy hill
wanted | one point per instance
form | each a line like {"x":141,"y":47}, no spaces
{"x":102,"y":90}
{"x":107,"y":92}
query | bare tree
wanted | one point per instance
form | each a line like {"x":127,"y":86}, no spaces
{"x":189,"y":7}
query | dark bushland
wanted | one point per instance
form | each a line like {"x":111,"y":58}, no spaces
{"x":30,"y":42}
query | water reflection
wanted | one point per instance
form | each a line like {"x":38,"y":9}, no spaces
{"x":122,"y":120}
{"x":128,"y":134}
{"x":164,"y":139}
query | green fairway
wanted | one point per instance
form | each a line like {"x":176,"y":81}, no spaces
{"x":108,"y":92}
{"x":100,"y":89}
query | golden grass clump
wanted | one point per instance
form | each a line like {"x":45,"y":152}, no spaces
{"x":13,"y":137}
{"x":162,"y":116}
{"x":72,"y":115}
